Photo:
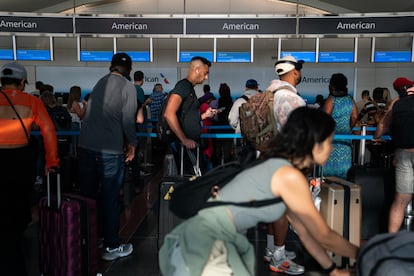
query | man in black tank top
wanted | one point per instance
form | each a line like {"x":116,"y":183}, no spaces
{"x":403,"y":137}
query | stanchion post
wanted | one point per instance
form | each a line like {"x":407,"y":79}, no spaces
{"x":361,"y":158}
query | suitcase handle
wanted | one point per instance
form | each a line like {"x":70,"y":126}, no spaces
{"x":58,"y":191}
{"x":195,"y":160}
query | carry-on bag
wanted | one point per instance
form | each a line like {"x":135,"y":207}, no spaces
{"x":67,"y":233}
{"x":166,"y":219}
{"x":341,"y":208}
{"x":387,"y":254}
{"x":377,"y":191}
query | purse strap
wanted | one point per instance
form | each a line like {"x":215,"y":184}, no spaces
{"x":18,"y":116}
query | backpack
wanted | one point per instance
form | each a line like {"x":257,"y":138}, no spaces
{"x":60,"y":117}
{"x":164,"y":132}
{"x":257,"y":121}
{"x":387,"y":254}
{"x":191,"y":195}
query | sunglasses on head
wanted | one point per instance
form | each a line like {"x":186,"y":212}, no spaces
{"x":298,"y":66}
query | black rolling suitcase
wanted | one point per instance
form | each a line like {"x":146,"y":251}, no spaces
{"x":166,"y":219}
{"x":376,"y":197}
{"x":377,"y":191}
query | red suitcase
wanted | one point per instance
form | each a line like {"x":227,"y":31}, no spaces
{"x":68,"y":234}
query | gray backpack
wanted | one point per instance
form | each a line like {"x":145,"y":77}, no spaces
{"x":387,"y":254}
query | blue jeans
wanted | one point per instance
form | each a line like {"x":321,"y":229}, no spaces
{"x":101,"y":178}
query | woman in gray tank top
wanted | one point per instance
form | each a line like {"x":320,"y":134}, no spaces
{"x":213,"y":241}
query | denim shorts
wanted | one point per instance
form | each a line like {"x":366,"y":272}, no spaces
{"x":404,"y":171}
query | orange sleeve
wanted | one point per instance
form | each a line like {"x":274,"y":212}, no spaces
{"x":42,"y":119}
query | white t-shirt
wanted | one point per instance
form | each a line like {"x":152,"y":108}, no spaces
{"x":285,"y":100}
{"x":75,"y":117}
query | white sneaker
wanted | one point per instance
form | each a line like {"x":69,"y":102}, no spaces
{"x":291,"y":255}
{"x":122,"y":250}
{"x":286,"y":266}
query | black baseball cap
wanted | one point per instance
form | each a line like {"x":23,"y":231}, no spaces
{"x":252,"y":83}
{"x":122,"y":59}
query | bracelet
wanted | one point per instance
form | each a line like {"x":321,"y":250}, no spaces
{"x":330,"y":269}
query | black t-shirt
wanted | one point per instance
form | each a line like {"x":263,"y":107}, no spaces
{"x":188,"y":113}
{"x":402,"y":123}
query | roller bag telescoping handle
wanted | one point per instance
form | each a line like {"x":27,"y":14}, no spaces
{"x":195,"y":160}
{"x":67,"y":232}
{"x":58,"y":190}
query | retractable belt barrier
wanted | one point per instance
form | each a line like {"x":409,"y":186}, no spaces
{"x":232,"y":135}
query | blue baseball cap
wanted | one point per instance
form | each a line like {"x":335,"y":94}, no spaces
{"x":251,"y":83}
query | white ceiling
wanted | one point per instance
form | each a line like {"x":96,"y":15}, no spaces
{"x":206,"y":7}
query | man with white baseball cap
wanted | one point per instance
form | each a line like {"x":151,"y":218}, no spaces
{"x":285,"y":100}
{"x":287,"y":64}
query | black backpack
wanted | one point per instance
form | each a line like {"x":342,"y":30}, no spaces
{"x":387,"y":254}
{"x":164,"y":132}
{"x":60,"y":117}
{"x":190,"y":196}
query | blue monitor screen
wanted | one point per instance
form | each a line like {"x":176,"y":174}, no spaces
{"x":305,"y":56}
{"x":33,"y":55}
{"x":233,"y":57}
{"x":187,"y":56}
{"x":139,"y":56}
{"x":392,"y":56}
{"x":336,"y":57}
{"x":101,"y":56}
{"x":6,"y":54}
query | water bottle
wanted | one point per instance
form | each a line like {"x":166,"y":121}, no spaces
{"x":315,"y":189}
{"x":315,"y":186}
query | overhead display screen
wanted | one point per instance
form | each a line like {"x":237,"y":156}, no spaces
{"x":305,"y":56}
{"x":336,"y":57}
{"x":139,"y":56}
{"x":99,"y":56}
{"x":392,"y":56}
{"x":187,"y":56}
{"x":233,"y":57}
{"x":33,"y":55}
{"x":6,"y":54}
